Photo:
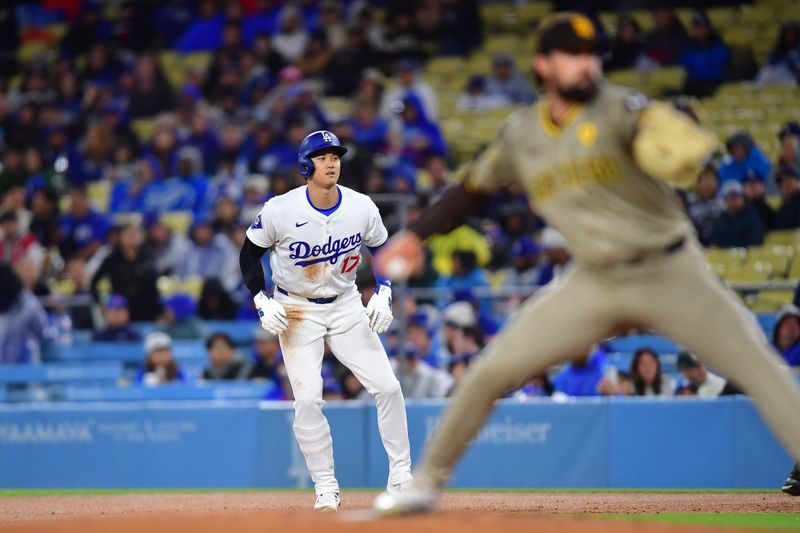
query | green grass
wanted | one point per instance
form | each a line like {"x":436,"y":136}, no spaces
{"x":749,"y":520}
{"x":597,"y":491}
{"x":84,"y":492}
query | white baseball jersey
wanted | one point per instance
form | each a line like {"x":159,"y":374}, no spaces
{"x":311,"y":254}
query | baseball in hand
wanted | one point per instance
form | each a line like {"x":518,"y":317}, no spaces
{"x":397,"y":268}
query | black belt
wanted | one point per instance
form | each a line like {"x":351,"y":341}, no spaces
{"x":312,"y":300}
{"x":668,"y":250}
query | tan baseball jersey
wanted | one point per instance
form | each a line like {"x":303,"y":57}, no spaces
{"x":601,"y":178}
{"x":583,"y":177}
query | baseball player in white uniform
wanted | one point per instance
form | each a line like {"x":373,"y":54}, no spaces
{"x":314,"y":235}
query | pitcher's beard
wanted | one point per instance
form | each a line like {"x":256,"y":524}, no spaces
{"x":580,"y":95}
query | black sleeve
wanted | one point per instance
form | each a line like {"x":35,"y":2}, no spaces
{"x":250,"y":264}
{"x":449,"y":212}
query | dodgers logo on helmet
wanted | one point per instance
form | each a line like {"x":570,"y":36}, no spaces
{"x":313,"y":143}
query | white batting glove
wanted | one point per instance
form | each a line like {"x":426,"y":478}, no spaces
{"x":271,"y":313}
{"x":379,"y":309}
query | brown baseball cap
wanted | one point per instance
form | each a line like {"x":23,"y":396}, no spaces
{"x":569,"y":32}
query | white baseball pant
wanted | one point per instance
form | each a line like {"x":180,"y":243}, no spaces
{"x":344,"y":325}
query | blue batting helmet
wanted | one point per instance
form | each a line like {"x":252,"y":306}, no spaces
{"x":313,"y":144}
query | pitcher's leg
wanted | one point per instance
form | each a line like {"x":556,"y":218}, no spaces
{"x":695,"y":309}
{"x":302,"y":355}
{"x":360,"y":350}
{"x":557,"y":323}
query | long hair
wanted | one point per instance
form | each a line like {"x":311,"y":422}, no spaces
{"x":639,"y":384}
{"x":171,"y":368}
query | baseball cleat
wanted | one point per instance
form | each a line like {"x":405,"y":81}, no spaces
{"x":395,"y":488}
{"x":412,"y":499}
{"x":327,"y":502}
{"x":792,"y":484}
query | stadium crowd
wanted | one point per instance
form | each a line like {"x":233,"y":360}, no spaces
{"x":96,"y":208}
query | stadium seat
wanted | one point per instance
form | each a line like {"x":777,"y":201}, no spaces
{"x":757,"y":272}
{"x":99,"y":193}
{"x":778,"y":256}
{"x":724,"y":260}
{"x":173,"y":391}
{"x":241,"y":331}
{"x":723,"y":17}
{"x":30,"y":51}
{"x":192,"y":286}
{"x":769,"y":301}
{"x":143,"y":128}
{"x":767,"y":322}
{"x":631,"y":343}
{"x":184,"y":351}
{"x":178,"y":221}
{"x":530,"y":13}
{"x":507,"y":42}
{"x":168,"y":285}
{"x":666,"y":79}
{"x":500,"y":17}
{"x":783,"y":237}
{"x":337,"y":108}
{"x":60,"y":373}
{"x":794,"y":272}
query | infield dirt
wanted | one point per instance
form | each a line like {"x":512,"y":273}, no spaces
{"x":289,"y":512}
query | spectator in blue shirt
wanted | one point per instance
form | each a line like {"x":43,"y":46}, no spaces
{"x":743,"y":157}
{"x":704,"y":58}
{"x":93,"y":157}
{"x":190,"y":172}
{"x":420,"y":137}
{"x":582,"y":375}
{"x":83,"y":229}
{"x":255,"y":145}
{"x":264,"y":20}
{"x":556,"y":254}
{"x":282,"y":154}
{"x":171,"y":194}
{"x":786,"y":334}
{"x":202,"y":136}
{"x":205,"y":33}
{"x":129,"y":194}
{"x":369,"y":129}
{"x":466,"y":275}
{"x":524,"y":269}
{"x":117,"y":317}
{"x":180,"y":319}
{"x":739,"y":224}
{"x":420,"y":338}
{"x":22,"y":320}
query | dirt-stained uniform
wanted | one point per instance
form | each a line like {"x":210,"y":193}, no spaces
{"x":602,"y":179}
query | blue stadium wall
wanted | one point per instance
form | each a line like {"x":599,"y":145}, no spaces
{"x":584,"y":443}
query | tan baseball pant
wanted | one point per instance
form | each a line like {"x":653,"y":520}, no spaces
{"x":675,"y":294}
